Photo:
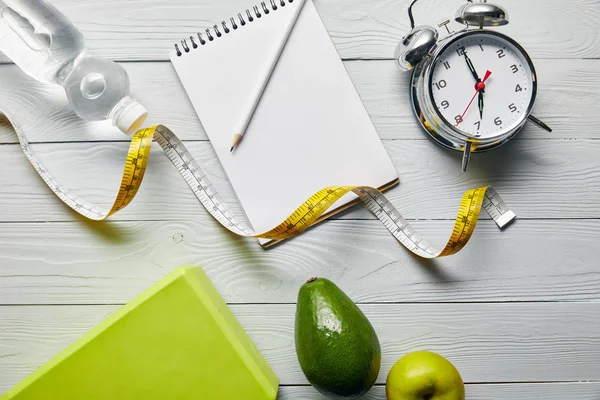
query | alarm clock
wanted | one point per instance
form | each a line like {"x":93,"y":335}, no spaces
{"x":474,"y":89}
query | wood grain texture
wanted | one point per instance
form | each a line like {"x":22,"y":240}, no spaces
{"x":146,"y":30}
{"x":488,"y":343}
{"x":110,"y":263}
{"x":537,"y":178}
{"x":473,"y":308}
{"x":567,"y":98}
{"x":546,"y":391}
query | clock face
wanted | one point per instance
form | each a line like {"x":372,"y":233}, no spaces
{"x":483,"y":85}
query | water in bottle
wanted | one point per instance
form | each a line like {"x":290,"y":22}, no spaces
{"x":48,"y":47}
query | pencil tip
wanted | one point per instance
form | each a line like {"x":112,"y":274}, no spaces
{"x":236,"y":140}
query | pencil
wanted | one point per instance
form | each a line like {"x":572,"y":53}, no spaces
{"x":258,"y":90}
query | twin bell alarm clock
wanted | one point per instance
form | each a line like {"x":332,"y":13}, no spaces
{"x":474,"y":89}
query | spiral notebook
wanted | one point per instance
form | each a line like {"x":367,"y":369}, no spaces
{"x":310,"y":129}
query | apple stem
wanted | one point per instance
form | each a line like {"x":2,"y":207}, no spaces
{"x":314,"y":278}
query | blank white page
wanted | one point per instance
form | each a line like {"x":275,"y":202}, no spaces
{"x":310,"y":129}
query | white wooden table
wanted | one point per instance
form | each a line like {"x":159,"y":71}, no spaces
{"x":516,"y":311}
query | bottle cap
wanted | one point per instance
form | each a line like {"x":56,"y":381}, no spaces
{"x":130,"y":117}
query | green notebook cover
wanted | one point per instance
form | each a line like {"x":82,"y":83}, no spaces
{"x":177,"y":340}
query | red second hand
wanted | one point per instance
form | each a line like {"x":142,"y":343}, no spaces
{"x":479,"y":86}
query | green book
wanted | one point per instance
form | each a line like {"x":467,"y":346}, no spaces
{"x":177,"y":340}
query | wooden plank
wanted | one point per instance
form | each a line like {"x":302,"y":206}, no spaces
{"x":136,"y":30}
{"x":110,"y":263}
{"x":511,"y":391}
{"x":537,"y":178}
{"x":490,"y":343}
{"x":566,"y":93}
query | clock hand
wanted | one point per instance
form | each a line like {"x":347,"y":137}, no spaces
{"x":471,"y":68}
{"x":479,"y":87}
{"x":474,"y":73}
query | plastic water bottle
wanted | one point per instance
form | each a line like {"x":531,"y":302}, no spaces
{"x":48,"y":47}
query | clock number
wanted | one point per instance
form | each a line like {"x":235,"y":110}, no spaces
{"x":458,"y":119}
{"x":501,"y":53}
{"x":461,"y":51}
{"x":445,"y":104}
{"x":518,"y":88}
{"x":480,"y":46}
{"x":512,"y":107}
{"x":514,"y":68}
{"x":441,"y":84}
{"x":498,"y":121}
{"x":446,"y":65}
{"x":478,"y":123}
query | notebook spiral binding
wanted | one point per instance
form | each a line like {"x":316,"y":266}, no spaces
{"x":251,"y":14}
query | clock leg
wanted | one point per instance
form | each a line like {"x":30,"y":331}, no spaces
{"x":539,"y":123}
{"x":466,"y":156}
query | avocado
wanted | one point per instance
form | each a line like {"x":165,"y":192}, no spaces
{"x":336,"y":344}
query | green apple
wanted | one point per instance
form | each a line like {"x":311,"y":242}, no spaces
{"x":424,"y":375}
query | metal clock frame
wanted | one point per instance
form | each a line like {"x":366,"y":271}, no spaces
{"x":431,"y":119}
{"x":420,"y":49}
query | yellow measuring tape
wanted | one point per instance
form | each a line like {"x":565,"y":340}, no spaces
{"x":302,"y":218}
